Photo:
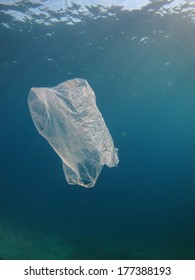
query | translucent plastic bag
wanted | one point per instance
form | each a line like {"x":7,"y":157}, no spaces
{"x":68,"y":118}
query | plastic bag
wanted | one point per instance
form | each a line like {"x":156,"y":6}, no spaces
{"x":68,"y":118}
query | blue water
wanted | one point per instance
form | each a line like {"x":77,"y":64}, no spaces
{"x":141,"y":64}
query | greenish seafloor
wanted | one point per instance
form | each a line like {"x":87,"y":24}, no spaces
{"x":17,"y":243}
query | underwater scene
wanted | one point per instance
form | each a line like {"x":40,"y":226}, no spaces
{"x":138,"y":56}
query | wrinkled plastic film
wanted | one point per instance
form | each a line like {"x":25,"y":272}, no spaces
{"x":68,"y":118}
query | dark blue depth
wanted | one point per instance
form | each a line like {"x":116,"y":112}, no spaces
{"x":141,"y":66}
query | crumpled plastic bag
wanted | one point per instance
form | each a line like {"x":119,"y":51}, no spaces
{"x":68,"y":118}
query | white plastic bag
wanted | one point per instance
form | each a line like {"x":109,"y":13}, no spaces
{"x":68,"y":118}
